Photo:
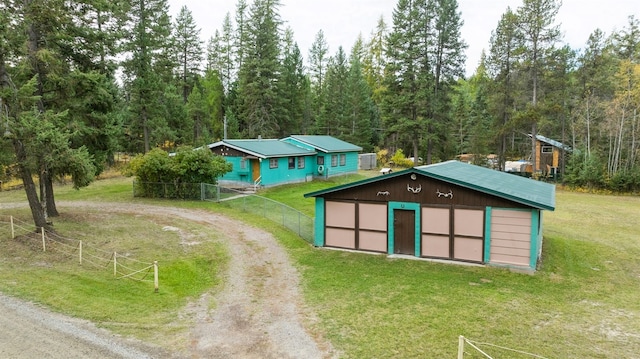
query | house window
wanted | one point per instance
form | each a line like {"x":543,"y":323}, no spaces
{"x":343,"y":159}
{"x":320,"y":160}
{"x":292,"y":163}
{"x":243,"y":164}
{"x":547,"y":149}
{"x":273,"y":163}
{"x":300,"y":162}
{"x":334,"y":160}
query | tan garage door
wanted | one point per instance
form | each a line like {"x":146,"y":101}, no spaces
{"x":453,"y":235}
{"x":510,"y":237}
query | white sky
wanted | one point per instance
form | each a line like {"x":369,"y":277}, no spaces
{"x":342,"y":20}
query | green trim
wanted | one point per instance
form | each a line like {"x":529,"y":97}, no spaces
{"x":318,"y":240}
{"x":533,"y":255}
{"x":410,"y":206}
{"x":487,"y":234}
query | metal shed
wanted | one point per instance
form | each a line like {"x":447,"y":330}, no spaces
{"x":450,"y":210}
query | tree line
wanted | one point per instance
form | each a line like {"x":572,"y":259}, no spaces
{"x":83,"y":79}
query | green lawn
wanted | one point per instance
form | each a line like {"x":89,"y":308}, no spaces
{"x":584,"y":302}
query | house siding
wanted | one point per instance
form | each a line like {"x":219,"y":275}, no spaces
{"x":282,"y":174}
{"x":238,"y":174}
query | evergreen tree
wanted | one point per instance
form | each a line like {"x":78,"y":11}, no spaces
{"x":143,"y":76}
{"x":447,"y":65}
{"x":501,"y":66}
{"x":318,"y":62}
{"x":259,"y":73}
{"x":536,"y":27}
{"x":189,"y":49}
{"x":291,"y":88}
{"x":361,"y":110}
{"x":406,"y":77}
{"x":214,"y":98}
{"x":335,"y":115}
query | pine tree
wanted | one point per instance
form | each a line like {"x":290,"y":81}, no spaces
{"x":539,"y":34}
{"x":259,"y":73}
{"x":318,"y":62}
{"x":361,"y":110}
{"x":144,"y":70}
{"x":501,"y":66}
{"x":189,"y":49}
{"x":291,"y":88}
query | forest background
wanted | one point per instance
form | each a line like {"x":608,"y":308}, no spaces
{"x":83,"y":80}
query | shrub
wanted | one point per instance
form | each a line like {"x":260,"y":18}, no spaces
{"x":180,"y":170}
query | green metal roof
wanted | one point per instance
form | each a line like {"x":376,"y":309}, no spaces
{"x":326,"y":143}
{"x":265,"y":148}
{"x":518,"y":189}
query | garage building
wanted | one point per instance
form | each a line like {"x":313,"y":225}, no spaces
{"x":450,"y":210}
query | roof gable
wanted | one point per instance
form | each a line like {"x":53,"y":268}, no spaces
{"x":518,"y":189}
{"x":325,"y":143}
{"x":265,"y":148}
{"x":554,"y":143}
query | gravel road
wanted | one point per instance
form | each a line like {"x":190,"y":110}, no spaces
{"x":258,"y":313}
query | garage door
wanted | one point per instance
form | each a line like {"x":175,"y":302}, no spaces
{"x":453,"y":233}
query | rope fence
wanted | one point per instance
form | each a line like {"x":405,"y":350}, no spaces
{"x":123,"y":265}
{"x":476,"y":346}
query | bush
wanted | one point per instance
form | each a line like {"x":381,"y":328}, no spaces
{"x":400,"y":160}
{"x":175,"y":173}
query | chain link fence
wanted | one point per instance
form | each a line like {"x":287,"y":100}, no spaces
{"x":245,"y":201}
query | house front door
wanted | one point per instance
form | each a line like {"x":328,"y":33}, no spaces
{"x":404,"y":224}
{"x":255,"y":169}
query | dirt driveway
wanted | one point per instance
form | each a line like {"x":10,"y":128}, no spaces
{"x":258,"y":313}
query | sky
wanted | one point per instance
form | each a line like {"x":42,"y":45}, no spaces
{"x":343,"y":20}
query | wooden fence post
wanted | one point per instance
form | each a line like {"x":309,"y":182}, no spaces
{"x":44,"y":242}
{"x":460,"y":347}
{"x":13,"y":231}
{"x":155,"y":276}
{"x":115,"y":264}
{"x":80,"y":252}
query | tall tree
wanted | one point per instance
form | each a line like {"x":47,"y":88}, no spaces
{"x":373,"y":62}
{"x":501,"y":66}
{"x":362,"y":114}
{"x":536,"y":25}
{"x":189,"y":48}
{"x":149,"y":30}
{"x":292,"y":88}
{"x":334,"y":119}
{"x":403,"y":118}
{"x":317,"y":67}
{"x":259,"y":72}
{"x":447,"y":63}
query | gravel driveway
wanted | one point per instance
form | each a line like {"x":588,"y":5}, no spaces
{"x":258,"y":313}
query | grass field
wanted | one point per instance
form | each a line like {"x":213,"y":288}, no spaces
{"x":584,"y":302}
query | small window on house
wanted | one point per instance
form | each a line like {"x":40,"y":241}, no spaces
{"x":343,"y":159}
{"x":292,"y":163}
{"x":334,"y":160}
{"x":243,"y":164}
{"x":320,"y":160}
{"x":547,"y":149}
{"x":300,"y":162}
{"x":273,"y":163}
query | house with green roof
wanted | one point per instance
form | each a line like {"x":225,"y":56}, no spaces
{"x":447,"y":211}
{"x":333,"y":156}
{"x":272,"y":162}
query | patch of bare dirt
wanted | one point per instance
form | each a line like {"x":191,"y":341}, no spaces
{"x":259,"y":312}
